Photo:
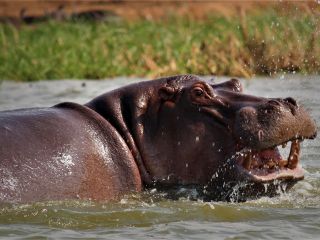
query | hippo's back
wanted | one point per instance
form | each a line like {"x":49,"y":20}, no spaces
{"x":57,"y":153}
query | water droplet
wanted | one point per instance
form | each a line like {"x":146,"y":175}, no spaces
{"x":153,"y":190}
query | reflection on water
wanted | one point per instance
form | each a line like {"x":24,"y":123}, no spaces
{"x":295,"y":215}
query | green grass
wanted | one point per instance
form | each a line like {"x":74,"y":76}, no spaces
{"x":256,"y":44}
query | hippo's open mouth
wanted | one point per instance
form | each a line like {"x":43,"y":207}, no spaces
{"x":268,"y":165}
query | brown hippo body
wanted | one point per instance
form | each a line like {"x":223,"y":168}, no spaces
{"x":64,"y":152}
{"x":176,"y":131}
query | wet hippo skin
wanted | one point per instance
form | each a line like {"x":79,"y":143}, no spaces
{"x":179,"y":131}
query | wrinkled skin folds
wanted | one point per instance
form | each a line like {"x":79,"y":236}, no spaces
{"x":179,"y":131}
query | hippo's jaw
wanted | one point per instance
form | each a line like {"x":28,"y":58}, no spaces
{"x":250,"y":174}
{"x":262,"y":129}
{"x":268,"y":165}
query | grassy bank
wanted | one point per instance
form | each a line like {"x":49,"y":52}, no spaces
{"x":261,"y":43}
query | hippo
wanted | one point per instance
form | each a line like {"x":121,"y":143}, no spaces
{"x":165,"y":134}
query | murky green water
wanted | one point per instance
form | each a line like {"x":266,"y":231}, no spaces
{"x":295,"y":215}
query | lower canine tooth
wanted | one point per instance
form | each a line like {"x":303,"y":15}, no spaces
{"x":293,"y":158}
{"x":247,"y":161}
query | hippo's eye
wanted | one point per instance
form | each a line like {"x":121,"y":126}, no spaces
{"x":198,"y":92}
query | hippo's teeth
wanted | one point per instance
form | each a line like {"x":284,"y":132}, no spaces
{"x":247,"y":161}
{"x":293,"y":158}
{"x":271,"y":164}
{"x":270,"y":160}
{"x":283,"y":163}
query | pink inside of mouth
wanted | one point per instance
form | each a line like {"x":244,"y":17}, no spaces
{"x":269,"y":154}
{"x":268,"y":164}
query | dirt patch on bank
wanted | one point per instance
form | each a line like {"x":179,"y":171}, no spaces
{"x":31,"y":10}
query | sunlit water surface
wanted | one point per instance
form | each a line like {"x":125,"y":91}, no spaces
{"x":295,"y":215}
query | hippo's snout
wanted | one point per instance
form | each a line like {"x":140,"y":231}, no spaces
{"x":273,"y":122}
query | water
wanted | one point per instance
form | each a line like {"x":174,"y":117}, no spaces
{"x":295,"y":215}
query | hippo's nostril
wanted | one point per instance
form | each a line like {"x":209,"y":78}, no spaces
{"x":291,"y":101}
{"x":274,"y":102}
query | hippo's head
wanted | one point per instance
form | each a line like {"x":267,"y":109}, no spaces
{"x":187,"y":131}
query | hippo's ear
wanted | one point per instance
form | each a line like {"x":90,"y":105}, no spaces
{"x":167,"y":93}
